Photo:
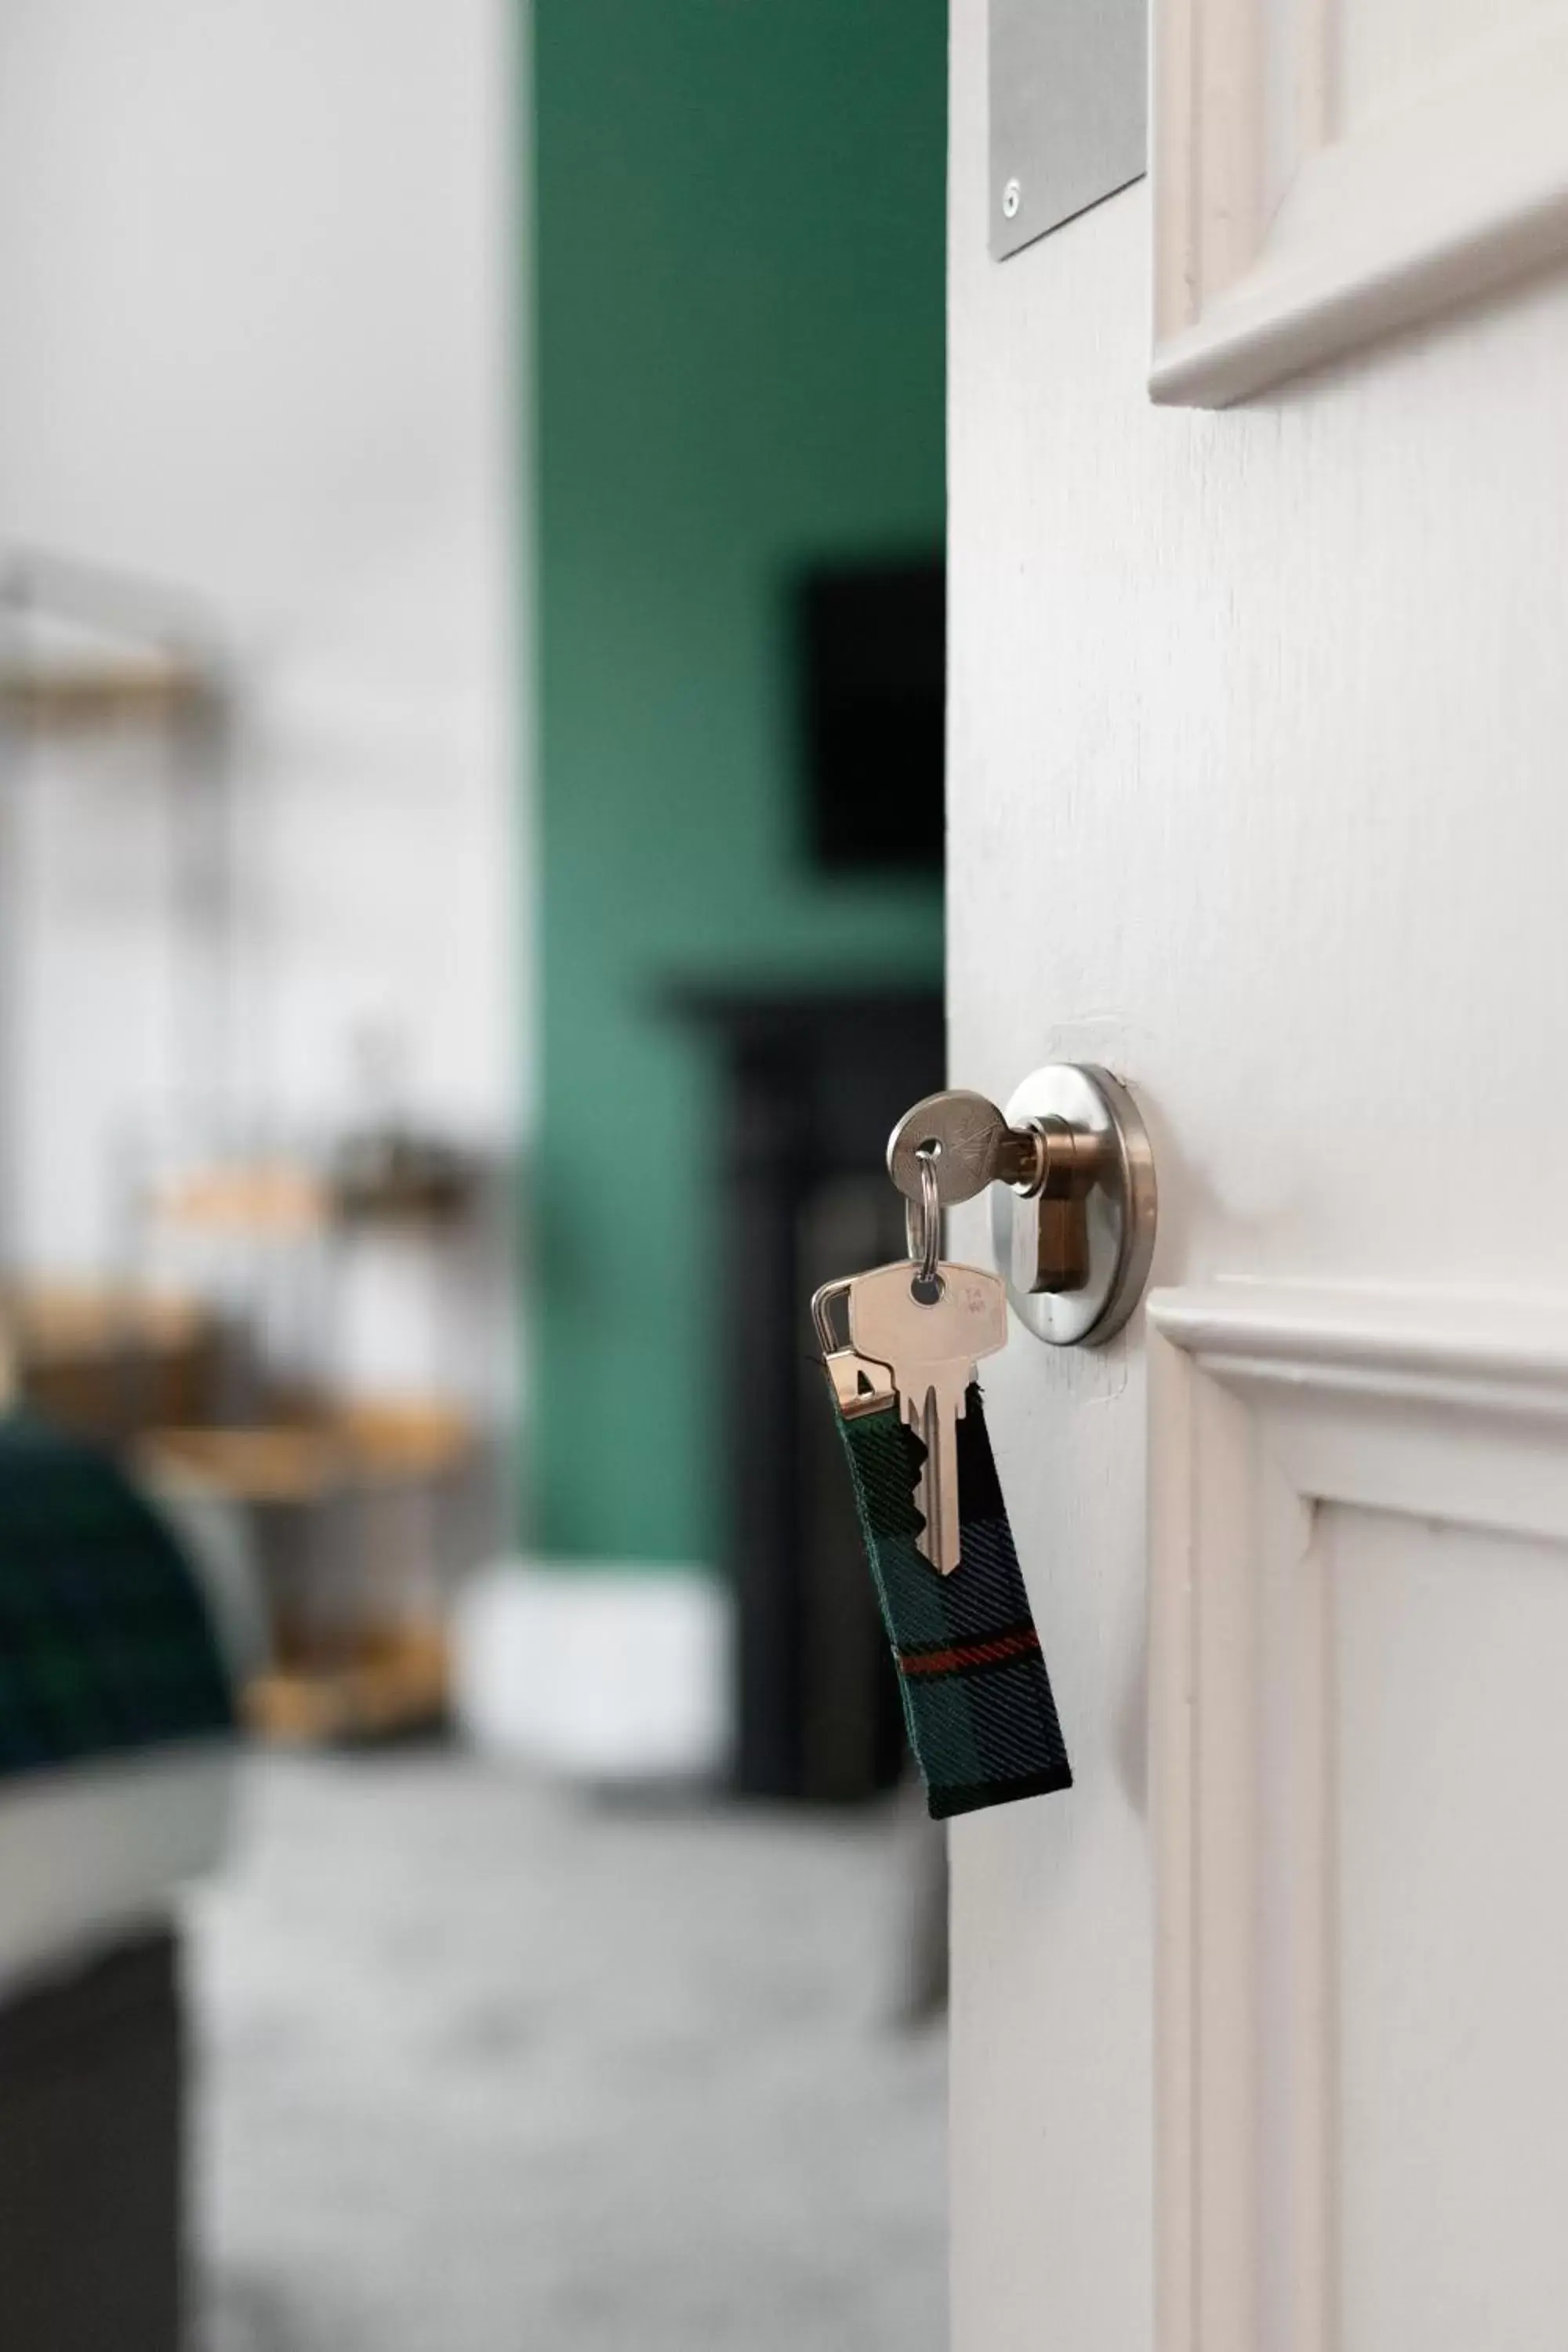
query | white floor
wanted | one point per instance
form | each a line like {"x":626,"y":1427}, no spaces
{"x":490,"y":2069}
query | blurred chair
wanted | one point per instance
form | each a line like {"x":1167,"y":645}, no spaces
{"x":118,"y":1765}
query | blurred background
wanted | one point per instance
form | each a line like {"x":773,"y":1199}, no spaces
{"x":471,"y":675}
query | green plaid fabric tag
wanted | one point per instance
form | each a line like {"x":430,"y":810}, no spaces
{"x":977,"y":1699}
{"x":105,"y":1643}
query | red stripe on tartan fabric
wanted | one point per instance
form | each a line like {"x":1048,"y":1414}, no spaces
{"x":971,"y":1653}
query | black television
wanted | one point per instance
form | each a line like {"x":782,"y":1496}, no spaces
{"x":871,"y":661}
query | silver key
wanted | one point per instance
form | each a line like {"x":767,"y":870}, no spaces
{"x":965,"y":1137}
{"x":931,"y":1352}
{"x":969,"y":1145}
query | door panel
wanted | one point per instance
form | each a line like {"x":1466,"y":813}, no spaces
{"x":1256,"y":754}
{"x":1359,"y":1626}
{"x":1327,"y":171}
{"x":1387,"y":52}
{"x":1450,"y":1934}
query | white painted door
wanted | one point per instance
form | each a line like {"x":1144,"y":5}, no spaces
{"x":1259,"y":795}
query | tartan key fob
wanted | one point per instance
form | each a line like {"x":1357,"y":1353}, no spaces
{"x":977,"y":1699}
{"x":1073,"y":1213}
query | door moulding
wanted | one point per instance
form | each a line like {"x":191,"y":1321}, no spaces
{"x":1290,"y":227}
{"x":1266,"y":1404}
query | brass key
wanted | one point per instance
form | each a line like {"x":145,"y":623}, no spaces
{"x":932,"y":1350}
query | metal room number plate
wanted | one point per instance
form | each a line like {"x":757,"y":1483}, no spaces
{"x":1068,"y":111}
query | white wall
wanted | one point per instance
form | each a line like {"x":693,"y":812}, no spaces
{"x":256,"y":263}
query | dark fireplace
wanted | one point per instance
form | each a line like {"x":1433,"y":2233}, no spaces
{"x":812,"y":1085}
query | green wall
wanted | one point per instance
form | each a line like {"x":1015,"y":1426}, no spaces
{"x":738,"y":337}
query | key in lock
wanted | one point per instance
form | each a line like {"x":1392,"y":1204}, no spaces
{"x":1073,"y":1205}
{"x":970,"y":1145}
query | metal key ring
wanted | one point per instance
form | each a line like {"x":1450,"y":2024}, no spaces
{"x":821,"y":1314}
{"x":922,"y":1223}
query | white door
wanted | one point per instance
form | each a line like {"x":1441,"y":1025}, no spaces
{"x":1259,"y":795}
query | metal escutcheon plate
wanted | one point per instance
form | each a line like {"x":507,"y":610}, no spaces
{"x":1120,"y":1206}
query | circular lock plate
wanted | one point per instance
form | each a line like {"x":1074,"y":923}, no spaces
{"x":1120,"y":1206}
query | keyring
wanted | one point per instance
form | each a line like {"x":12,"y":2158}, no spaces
{"x":821,"y":1314}
{"x":922,"y":1222}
